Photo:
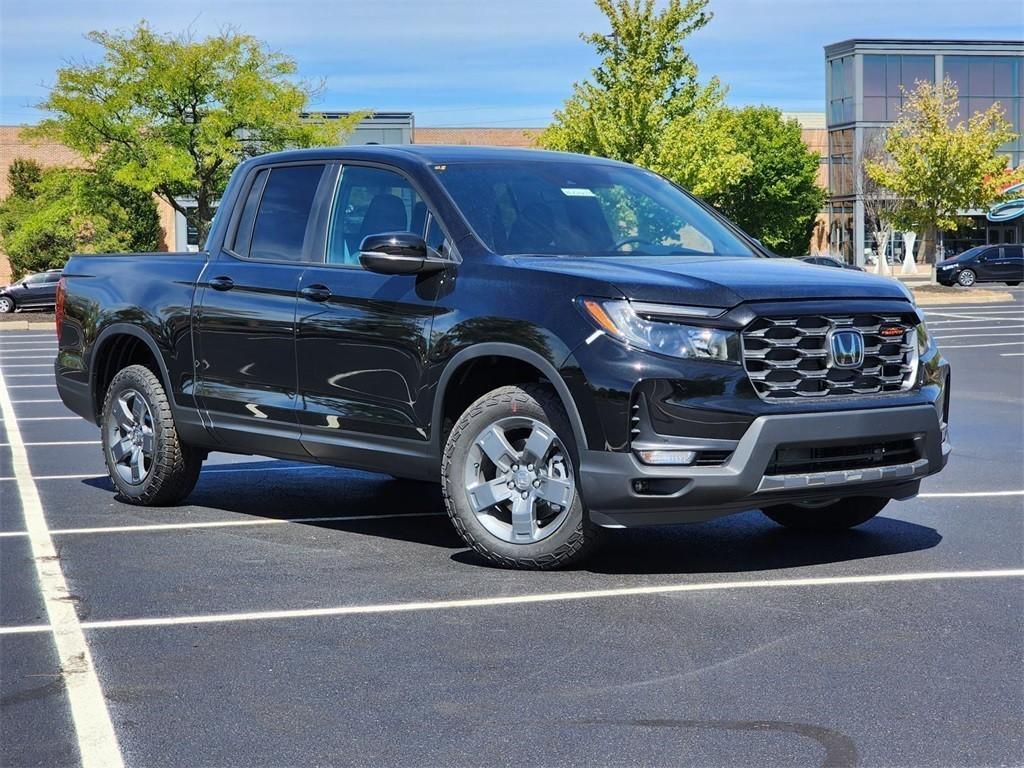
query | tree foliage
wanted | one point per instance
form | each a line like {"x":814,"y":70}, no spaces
{"x":173,"y":116}
{"x":68,"y":211}
{"x":937,"y":164}
{"x":644,"y":104}
{"x":778,"y":198}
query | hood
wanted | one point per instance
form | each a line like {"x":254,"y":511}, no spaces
{"x":720,"y":281}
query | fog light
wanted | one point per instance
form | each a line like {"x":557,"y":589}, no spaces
{"x":667,"y":457}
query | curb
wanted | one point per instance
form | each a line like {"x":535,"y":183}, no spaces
{"x":932,"y":297}
{"x":27,"y":325}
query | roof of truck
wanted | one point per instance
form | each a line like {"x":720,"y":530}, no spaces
{"x":433,"y":154}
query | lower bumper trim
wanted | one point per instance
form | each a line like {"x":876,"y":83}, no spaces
{"x":894,"y":472}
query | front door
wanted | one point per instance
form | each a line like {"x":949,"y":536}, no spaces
{"x":363,"y":337}
{"x":244,"y":319}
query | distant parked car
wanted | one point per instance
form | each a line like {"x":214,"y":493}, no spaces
{"x":828,"y":261}
{"x":983,"y":264}
{"x":37,"y":291}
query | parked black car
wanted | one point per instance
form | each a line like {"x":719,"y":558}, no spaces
{"x":566,"y":343}
{"x":828,"y":261}
{"x":36,"y":291}
{"x":984,"y":264}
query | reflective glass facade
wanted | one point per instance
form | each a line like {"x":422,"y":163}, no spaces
{"x":866,"y":82}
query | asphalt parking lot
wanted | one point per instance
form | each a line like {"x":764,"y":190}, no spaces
{"x":293,"y":615}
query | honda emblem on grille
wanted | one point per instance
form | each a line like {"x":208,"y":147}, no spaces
{"x":846,"y":348}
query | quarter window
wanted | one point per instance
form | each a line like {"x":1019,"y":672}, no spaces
{"x":279,"y":231}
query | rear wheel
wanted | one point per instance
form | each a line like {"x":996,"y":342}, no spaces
{"x":6,"y":305}
{"x":967,"y":278}
{"x":147,"y":461}
{"x":509,"y":481}
{"x":835,"y":516}
{"x":1013,"y":282}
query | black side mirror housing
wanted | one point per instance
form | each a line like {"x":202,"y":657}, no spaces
{"x":399,"y":253}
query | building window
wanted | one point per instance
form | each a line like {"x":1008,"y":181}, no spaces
{"x":840,"y":236}
{"x":840,"y":153}
{"x":840,"y":108}
{"x":986,"y":80}
{"x":886,"y":78}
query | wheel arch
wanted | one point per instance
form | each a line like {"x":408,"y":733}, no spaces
{"x":518,"y":356}
{"x":117,"y":347}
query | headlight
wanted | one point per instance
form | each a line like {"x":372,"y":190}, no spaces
{"x":620,"y":320}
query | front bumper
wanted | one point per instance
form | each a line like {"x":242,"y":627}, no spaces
{"x":619,"y":490}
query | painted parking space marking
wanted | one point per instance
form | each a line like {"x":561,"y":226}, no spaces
{"x":968,"y":494}
{"x":29,"y":444}
{"x":1011,"y":354}
{"x":543,"y":597}
{"x":48,"y":400}
{"x":981,"y":346}
{"x":97,"y":742}
{"x":256,"y":522}
{"x":31,"y":376}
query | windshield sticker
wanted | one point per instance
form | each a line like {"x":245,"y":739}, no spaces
{"x":577,"y":192}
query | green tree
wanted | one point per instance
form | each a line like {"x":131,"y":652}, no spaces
{"x":22,"y":176}
{"x":173,"y":116}
{"x":777,"y":198}
{"x":644,"y":103}
{"x":74,"y":210}
{"x":938,"y":164}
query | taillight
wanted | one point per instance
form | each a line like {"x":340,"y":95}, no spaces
{"x":59,"y":308}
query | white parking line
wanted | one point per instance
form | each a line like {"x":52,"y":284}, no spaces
{"x":979,"y":328}
{"x":49,"y":400}
{"x":30,"y":386}
{"x":1011,"y":354}
{"x":97,"y":743}
{"x":979,"y":336}
{"x":968,"y":494}
{"x":544,"y":597}
{"x":55,"y":442}
{"x":46,"y":418}
{"x":30,"y":365}
{"x":25,"y":357}
{"x":980,"y":346}
{"x":259,"y":521}
{"x":29,"y":375}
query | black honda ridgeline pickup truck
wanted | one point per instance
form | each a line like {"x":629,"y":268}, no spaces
{"x":565,"y":343}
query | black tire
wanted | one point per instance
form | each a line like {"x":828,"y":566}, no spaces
{"x":1012,"y":283}
{"x":174,"y":467}
{"x":967,"y":278}
{"x":7,"y":305}
{"x":575,"y":539}
{"x":838,"y":516}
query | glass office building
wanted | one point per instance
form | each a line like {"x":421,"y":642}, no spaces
{"x":864,"y":81}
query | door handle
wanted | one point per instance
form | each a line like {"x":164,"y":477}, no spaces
{"x":316,"y":292}
{"x":222,"y":283}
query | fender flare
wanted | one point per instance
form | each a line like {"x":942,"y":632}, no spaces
{"x":126,"y":329}
{"x":516,"y":352}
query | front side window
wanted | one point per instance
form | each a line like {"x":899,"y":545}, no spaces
{"x":35,"y":279}
{"x":279,"y":231}
{"x":371,"y":201}
{"x":584,"y":209}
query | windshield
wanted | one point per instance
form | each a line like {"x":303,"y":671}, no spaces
{"x":583,"y":209}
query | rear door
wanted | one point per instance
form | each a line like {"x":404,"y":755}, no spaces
{"x":1009,"y":266}
{"x":363,"y":337}
{"x":244,"y":320}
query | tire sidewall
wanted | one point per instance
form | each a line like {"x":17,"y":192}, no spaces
{"x":967,"y":284}
{"x":143,"y":381}
{"x":9,"y":307}
{"x":508,"y":401}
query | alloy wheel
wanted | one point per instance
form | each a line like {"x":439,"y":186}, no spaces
{"x":130,"y":439}
{"x":6,"y":305}
{"x":519,"y":480}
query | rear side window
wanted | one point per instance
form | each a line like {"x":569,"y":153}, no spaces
{"x":1015,"y":252}
{"x":279,"y":230}
{"x":243,"y":235}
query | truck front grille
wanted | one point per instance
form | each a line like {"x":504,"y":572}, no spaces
{"x":790,"y":356}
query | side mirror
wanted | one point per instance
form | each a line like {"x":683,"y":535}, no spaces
{"x":399,"y":253}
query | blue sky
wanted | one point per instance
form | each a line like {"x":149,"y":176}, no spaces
{"x":484,"y":62}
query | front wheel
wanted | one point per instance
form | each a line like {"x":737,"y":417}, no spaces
{"x":6,"y":305}
{"x":967,"y":278}
{"x":509,"y":480}
{"x":1013,"y":282}
{"x":837,"y":516}
{"x":146,"y":459}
